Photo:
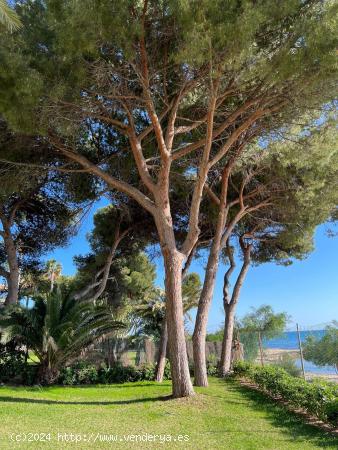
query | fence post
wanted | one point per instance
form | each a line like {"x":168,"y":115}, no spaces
{"x":260,"y":347}
{"x":300,"y":351}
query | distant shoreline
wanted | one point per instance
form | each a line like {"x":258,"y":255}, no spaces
{"x":272,"y":355}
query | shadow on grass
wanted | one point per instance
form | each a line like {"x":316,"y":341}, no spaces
{"x":280,"y":417}
{"x":8,"y":399}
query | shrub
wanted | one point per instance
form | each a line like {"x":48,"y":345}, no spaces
{"x":317,"y":397}
{"x":167,"y":371}
{"x":84,"y":373}
{"x":80,"y":373}
{"x":332,"y":411}
{"x":212,"y":365}
{"x":13,"y":366}
{"x":12,"y":363}
{"x":287,"y":363}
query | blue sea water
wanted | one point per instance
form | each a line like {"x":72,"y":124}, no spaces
{"x":289,"y":341}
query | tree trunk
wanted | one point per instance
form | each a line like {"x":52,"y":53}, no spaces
{"x":162,"y":352}
{"x":225,"y":362}
{"x":13,"y":278}
{"x":261,"y":348}
{"x":181,"y":382}
{"x":47,"y":375}
{"x":231,"y":302}
{"x":200,"y":330}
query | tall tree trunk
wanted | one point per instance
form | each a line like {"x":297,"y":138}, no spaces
{"x":225,"y":362}
{"x":162,"y":352}
{"x":52,"y":279}
{"x":230,"y":303}
{"x":200,"y":330}
{"x":181,"y":382}
{"x":13,"y":278}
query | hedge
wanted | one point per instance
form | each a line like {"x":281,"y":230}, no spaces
{"x":84,"y":373}
{"x":318,"y":398}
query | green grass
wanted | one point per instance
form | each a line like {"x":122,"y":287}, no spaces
{"x":224,"y":416}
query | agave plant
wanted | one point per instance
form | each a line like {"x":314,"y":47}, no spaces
{"x":58,"y":329}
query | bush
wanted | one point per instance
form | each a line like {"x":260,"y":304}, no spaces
{"x":12,"y":363}
{"x":212,"y":365}
{"x":79,"y":373}
{"x":13,"y":366}
{"x":29,"y":374}
{"x":318,"y":397}
{"x":287,"y":363}
{"x":83,"y":373}
{"x":167,"y":371}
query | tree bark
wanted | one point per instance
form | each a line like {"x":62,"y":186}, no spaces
{"x":181,"y":382}
{"x":162,"y":352}
{"x":47,"y":375}
{"x":13,"y":278}
{"x":225,"y":362}
{"x":231,"y":303}
{"x":200,"y":330}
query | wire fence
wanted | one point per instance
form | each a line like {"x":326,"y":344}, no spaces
{"x":285,"y":350}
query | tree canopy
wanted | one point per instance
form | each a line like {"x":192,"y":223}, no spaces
{"x":180,"y":96}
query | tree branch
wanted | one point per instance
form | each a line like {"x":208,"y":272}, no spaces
{"x":227,"y":275}
{"x":112,"y":182}
{"x":193,"y":229}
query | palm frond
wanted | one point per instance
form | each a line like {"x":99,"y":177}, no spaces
{"x":8,"y":17}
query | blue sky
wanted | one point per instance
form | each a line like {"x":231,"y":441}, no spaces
{"x":307,"y":290}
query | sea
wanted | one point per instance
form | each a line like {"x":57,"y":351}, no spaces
{"x":289,"y":341}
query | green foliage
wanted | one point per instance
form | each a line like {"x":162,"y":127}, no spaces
{"x":265,"y":321}
{"x":79,"y":373}
{"x":58,"y":329}
{"x":84,"y":373}
{"x":150,"y":310}
{"x":266,"y":44}
{"x":8,"y":17}
{"x":212,"y":365}
{"x":323,"y":351}
{"x":318,"y":398}
{"x":215,"y":337}
{"x":12,"y":362}
{"x":249,"y":340}
{"x":131,"y":274}
{"x":262,"y":320}
{"x":14,"y":368}
{"x":288,"y":363}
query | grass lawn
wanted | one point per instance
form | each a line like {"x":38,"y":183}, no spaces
{"x":224,"y":416}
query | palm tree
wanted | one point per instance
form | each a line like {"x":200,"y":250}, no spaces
{"x":53,"y":272}
{"x":58,"y":329}
{"x":8,"y":17}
